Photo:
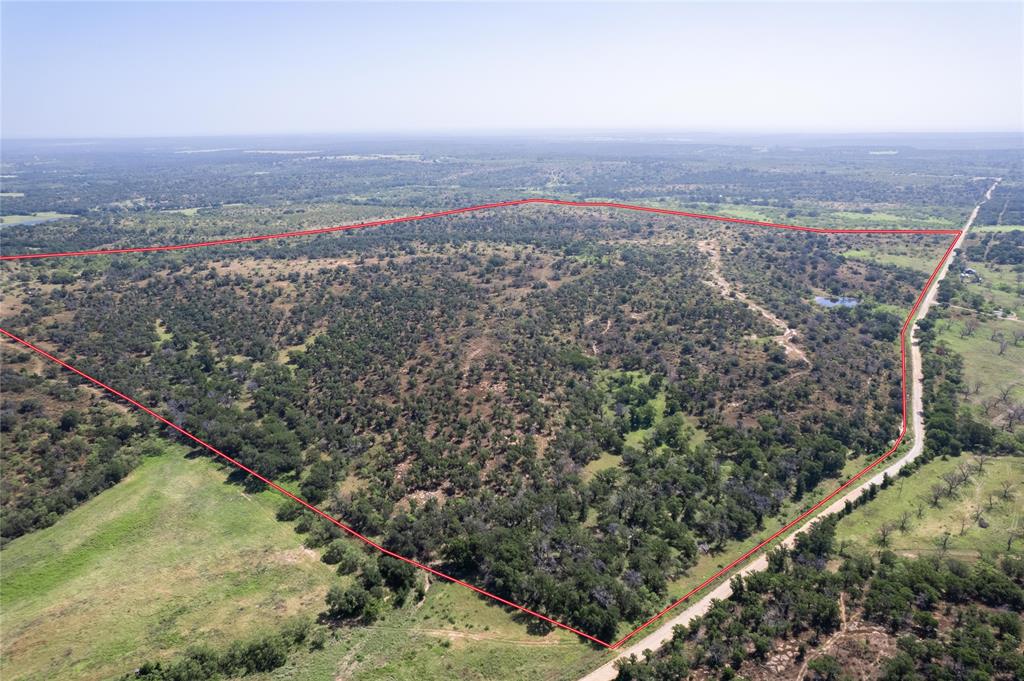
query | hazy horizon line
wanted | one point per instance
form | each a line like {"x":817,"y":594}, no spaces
{"x":501,"y":131}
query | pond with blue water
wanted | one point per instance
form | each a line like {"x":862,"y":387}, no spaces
{"x":841,"y":301}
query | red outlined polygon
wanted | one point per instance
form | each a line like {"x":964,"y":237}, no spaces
{"x":504,"y":204}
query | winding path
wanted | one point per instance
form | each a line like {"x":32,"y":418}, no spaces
{"x":718,"y":280}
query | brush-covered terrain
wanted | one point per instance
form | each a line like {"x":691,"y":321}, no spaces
{"x":444,"y":387}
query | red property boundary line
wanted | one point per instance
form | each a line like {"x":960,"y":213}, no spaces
{"x":578,"y":204}
{"x":468,"y":209}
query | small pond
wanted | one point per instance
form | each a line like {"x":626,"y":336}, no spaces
{"x":841,"y":301}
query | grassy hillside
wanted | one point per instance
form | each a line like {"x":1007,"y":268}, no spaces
{"x":170,"y":556}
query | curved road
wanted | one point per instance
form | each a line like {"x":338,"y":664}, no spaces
{"x":663,"y":634}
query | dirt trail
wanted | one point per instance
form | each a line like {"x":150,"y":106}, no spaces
{"x":663,"y":634}
{"x":831,"y":639}
{"x":785,"y":339}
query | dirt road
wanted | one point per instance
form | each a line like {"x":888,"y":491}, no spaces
{"x":785,"y":339}
{"x":916,"y":372}
{"x":663,"y":633}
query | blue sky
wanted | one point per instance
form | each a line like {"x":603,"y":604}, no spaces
{"x":139,"y":69}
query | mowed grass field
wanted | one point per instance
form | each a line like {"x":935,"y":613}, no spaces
{"x":925,"y":531}
{"x":170,"y":556}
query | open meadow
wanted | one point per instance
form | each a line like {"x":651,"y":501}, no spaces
{"x":170,"y":555}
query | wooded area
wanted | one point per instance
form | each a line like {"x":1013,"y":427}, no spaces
{"x":443,"y":386}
